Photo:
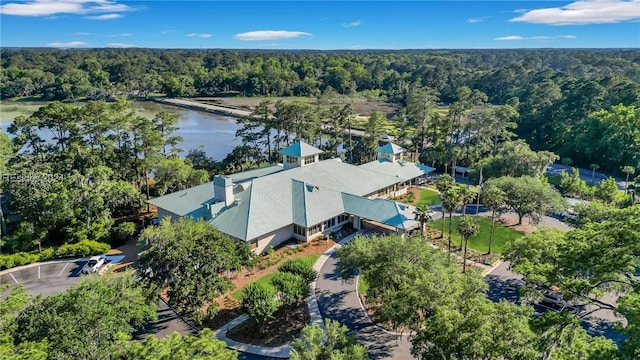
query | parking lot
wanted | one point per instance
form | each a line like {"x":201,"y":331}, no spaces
{"x":49,"y":278}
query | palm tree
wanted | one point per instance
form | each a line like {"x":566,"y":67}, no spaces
{"x":466,"y":197}
{"x":444,"y":183}
{"x":468,"y":228}
{"x":494,"y":199}
{"x":593,"y":168}
{"x":627,"y":170}
{"x":450,"y":202}
{"x":423,"y":215}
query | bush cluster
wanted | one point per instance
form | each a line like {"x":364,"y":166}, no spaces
{"x":82,"y":248}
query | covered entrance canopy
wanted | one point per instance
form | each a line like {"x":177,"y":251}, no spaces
{"x":383,"y":211}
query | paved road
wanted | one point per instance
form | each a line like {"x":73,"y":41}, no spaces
{"x":585,"y":174}
{"x":503,"y":286}
{"x":338,"y":301}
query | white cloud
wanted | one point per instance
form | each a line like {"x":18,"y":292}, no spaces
{"x":510,"y":38}
{"x":583,"y":12}
{"x":120,"y":35}
{"x":198,"y":35}
{"x":104,"y":17}
{"x":477,"y":20}
{"x":120,"y":45}
{"x":84,"y":33}
{"x":518,"y":37}
{"x":263,"y":35}
{"x":167,"y":32}
{"x":53,"y":7}
{"x":71,"y":44}
{"x":352,"y":24}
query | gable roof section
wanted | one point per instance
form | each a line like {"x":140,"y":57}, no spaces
{"x":384,"y":211}
{"x":255,"y":173}
{"x":185,"y":201}
{"x":391,"y":148}
{"x":336,"y":175}
{"x":403,"y":170}
{"x":300,"y":149}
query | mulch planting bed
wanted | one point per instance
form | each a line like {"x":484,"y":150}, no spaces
{"x":278,"y":331}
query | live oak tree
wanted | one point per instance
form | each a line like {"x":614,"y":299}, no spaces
{"x":447,"y":311}
{"x":528,"y":196}
{"x":428,"y":280}
{"x":585,"y":263}
{"x":204,"y":346}
{"x":12,"y":301}
{"x":90,"y":320}
{"x":174,"y":174}
{"x":334,"y":342}
{"x":514,"y":158}
{"x":192,"y":259}
{"x":476,"y":328}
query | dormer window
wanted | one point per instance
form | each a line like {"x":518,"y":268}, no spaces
{"x":309,"y":159}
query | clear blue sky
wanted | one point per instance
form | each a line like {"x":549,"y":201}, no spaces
{"x":320,"y":25}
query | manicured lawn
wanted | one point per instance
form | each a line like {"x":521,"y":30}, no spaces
{"x":428,"y":197}
{"x":309,"y":259}
{"x":480,"y":242}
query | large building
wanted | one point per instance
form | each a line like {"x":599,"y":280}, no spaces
{"x":301,"y":198}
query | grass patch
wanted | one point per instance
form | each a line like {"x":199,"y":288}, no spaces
{"x":363,"y":286}
{"x":309,"y":259}
{"x":427,"y":197}
{"x":480,"y":242}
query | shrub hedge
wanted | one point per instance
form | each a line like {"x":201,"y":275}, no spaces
{"x":80,"y":249}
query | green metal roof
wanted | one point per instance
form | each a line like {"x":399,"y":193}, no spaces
{"x":300,"y":149}
{"x":305,"y":196}
{"x":404,"y":170}
{"x":255,"y":173}
{"x":391,"y":148}
{"x":185,"y":201}
{"x":384,"y":211}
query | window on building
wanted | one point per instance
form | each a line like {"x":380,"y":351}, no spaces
{"x":398,"y":157}
{"x":314,"y":229}
{"x":299,"y":230}
{"x":309,"y":159}
{"x":343,"y":218}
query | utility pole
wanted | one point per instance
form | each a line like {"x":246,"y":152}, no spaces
{"x":479,"y":190}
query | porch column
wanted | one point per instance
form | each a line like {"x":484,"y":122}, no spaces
{"x":356,"y":222}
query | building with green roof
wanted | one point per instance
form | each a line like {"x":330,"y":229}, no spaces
{"x":302,"y":198}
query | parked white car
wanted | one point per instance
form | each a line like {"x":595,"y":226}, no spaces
{"x":94,"y":264}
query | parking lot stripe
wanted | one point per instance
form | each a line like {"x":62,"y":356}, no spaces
{"x":38,"y":272}
{"x":14,"y":279}
{"x":61,"y":271}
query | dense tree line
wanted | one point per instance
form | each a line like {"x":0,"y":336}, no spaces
{"x":70,"y":171}
{"x":61,"y":74}
{"x":549,"y":94}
